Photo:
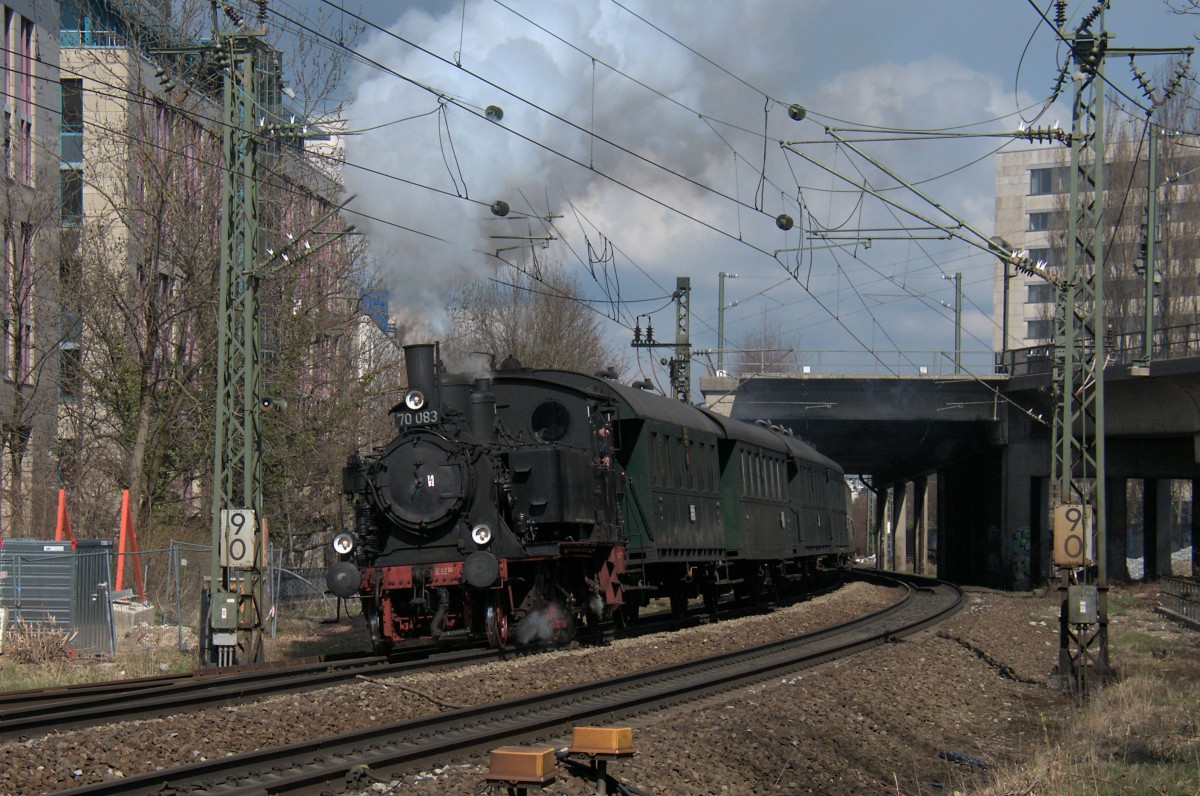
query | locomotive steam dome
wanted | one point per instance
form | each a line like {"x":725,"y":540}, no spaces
{"x":421,"y":481}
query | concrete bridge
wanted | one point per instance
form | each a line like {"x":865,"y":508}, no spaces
{"x":960,"y":465}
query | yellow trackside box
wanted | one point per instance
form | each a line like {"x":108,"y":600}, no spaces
{"x":525,"y":764}
{"x":601,"y":741}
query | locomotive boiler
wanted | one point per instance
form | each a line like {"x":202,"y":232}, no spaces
{"x":525,"y":505}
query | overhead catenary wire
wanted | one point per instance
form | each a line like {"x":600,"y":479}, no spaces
{"x":435,"y":56}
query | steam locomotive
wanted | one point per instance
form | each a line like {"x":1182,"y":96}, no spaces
{"x":526,"y":505}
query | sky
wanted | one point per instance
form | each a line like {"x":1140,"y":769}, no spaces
{"x":642,"y":140}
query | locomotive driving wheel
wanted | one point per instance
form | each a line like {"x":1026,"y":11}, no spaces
{"x":380,"y":644}
{"x":495,"y":624}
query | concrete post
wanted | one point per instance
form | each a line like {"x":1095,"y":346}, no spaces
{"x":881,"y":502}
{"x":1151,"y":528}
{"x":900,"y":526}
{"x":1118,"y":530}
{"x":921,"y":525}
{"x":1195,"y":529}
{"x":1164,"y":538}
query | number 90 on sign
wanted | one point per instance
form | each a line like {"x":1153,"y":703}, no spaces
{"x":1072,"y":535}
{"x":237,"y":538}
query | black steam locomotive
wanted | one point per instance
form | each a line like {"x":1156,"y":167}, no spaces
{"x":524,"y":504}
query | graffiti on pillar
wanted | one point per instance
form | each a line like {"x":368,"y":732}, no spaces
{"x":1020,"y":552}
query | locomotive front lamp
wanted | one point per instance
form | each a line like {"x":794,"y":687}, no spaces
{"x":343,"y":543}
{"x":481,"y":534}
{"x":414,"y":400}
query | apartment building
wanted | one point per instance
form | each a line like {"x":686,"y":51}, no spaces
{"x":1032,"y":213}
{"x":29,"y":270}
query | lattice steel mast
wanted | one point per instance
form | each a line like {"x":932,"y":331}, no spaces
{"x":236,"y":591}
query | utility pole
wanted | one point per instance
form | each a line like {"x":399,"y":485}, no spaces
{"x":233,"y":630}
{"x":1078,"y":471}
{"x":721,"y":277}
{"x":1077,"y":488}
{"x":679,"y":365}
{"x":958,"y":299}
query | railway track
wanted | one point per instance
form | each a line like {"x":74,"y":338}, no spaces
{"x":32,"y":712}
{"x":350,"y":758}
{"x":37,"y":711}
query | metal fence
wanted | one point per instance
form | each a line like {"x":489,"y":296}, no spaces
{"x":59,"y":585}
{"x":295,"y":592}
{"x":1179,"y":599}
{"x":72,"y":588}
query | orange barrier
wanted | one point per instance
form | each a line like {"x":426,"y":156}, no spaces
{"x":63,"y":530}
{"x":128,"y":546}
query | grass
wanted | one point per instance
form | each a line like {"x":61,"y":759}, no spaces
{"x":1138,"y":735}
{"x":40,"y":656}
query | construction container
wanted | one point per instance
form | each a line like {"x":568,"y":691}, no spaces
{"x":59,"y":584}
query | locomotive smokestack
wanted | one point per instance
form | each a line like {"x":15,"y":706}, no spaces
{"x":483,"y":411}
{"x":420,"y":361}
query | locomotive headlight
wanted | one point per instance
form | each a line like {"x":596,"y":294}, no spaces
{"x":343,"y":543}
{"x":481,"y":534}
{"x":414,"y":400}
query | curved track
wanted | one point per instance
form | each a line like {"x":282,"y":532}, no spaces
{"x":311,"y":767}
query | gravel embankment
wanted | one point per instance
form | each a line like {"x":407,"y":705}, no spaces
{"x":972,"y":688}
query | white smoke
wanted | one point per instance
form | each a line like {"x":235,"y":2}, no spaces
{"x":777,"y":48}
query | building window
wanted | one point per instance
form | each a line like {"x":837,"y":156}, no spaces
{"x":71,"y":187}
{"x":71,"y":130}
{"x":1039,"y":330}
{"x":1040,"y":222}
{"x":1041,"y":255}
{"x":1040,"y":293}
{"x":70,"y":377}
{"x":1041,"y":181}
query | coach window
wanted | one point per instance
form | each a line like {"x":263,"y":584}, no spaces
{"x":550,"y":421}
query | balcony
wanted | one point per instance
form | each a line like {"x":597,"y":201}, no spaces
{"x":90,"y":38}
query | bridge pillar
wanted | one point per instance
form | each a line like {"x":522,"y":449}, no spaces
{"x":881,"y":530}
{"x":1117,"y":531}
{"x":1041,"y":539}
{"x":1195,"y":529}
{"x":970,"y":542}
{"x":921,"y":525}
{"x":1022,"y":499}
{"x":1156,"y":528}
{"x":900,"y":526}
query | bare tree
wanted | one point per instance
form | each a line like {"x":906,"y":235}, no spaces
{"x":765,"y":350}
{"x":535,"y":315}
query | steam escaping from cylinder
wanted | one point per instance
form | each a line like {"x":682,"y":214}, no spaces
{"x":543,"y":626}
